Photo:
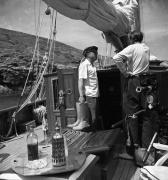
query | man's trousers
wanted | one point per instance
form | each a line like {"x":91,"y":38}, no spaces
{"x":141,"y":127}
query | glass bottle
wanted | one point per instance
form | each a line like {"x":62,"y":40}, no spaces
{"x":32,"y":144}
{"x":45,"y":129}
{"x":58,"y":148}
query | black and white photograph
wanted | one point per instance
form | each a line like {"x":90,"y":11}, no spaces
{"x":84,"y":89}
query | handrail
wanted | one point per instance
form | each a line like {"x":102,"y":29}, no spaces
{"x":14,"y":107}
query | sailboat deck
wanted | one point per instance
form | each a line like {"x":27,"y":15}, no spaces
{"x":115,"y":169}
{"x":124,"y":170}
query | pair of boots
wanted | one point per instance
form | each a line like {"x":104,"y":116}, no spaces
{"x":82,"y":117}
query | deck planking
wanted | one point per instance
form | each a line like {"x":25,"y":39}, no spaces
{"x":125,"y":170}
{"x":117,"y":169}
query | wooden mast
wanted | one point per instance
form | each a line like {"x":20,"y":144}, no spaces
{"x":138,"y":16}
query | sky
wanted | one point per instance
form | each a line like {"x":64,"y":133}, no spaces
{"x":154,"y":22}
{"x":19,"y":15}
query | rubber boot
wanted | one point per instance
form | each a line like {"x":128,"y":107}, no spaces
{"x":84,"y":117}
{"x":78,"y":116}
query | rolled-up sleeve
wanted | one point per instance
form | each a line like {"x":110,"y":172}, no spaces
{"x":121,"y":58}
{"x":124,"y":55}
{"x":83,"y":71}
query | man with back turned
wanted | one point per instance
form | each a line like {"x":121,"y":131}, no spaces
{"x":133,"y":61}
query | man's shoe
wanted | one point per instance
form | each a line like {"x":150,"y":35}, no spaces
{"x":82,"y":114}
{"x":79,"y":118}
{"x":76,"y":123}
{"x":81,"y":126}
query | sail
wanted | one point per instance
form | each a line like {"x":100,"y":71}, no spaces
{"x":115,"y":16}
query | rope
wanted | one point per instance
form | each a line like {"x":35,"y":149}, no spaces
{"x":39,"y":79}
{"x":35,"y":48}
{"x":51,"y":26}
{"x":151,"y":174}
{"x":31,"y":65}
{"x":35,"y":15}
{"x":52,"y":32}
{"x":55,"y":31}
{"x":34,"y":53}
{"x":42,"y":71}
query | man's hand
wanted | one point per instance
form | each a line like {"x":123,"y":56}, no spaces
{"x":81,"y":99}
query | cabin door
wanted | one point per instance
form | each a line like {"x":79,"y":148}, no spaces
{"x":61,"y":97}
{"x":68,"y":94}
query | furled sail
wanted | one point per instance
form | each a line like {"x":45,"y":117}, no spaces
{"x":115,"y":16}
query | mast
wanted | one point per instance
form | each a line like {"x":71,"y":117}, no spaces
{"x":138,"y":16}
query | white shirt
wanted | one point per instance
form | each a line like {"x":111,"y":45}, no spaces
{"x":134,"y":59}
{"x":87,"y":71}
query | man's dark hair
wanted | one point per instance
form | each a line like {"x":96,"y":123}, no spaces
{"x":136,"y":36}
{"x":93,"y":49}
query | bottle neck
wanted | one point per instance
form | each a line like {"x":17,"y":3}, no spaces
{"x":31,"y":130}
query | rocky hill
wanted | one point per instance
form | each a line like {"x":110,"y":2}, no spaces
{"x":16,"y":51}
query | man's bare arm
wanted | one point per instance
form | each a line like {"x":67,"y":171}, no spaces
{"x":120,"y":61}
{"x":81,"y":90}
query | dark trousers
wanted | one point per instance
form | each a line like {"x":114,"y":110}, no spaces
{"x":93,"y":108}
{"x":141,"y":128}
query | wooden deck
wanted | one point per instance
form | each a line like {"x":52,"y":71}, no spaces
{"x":116,"y":169}
{"x":125,"y":170}
{"x":120,"y":169}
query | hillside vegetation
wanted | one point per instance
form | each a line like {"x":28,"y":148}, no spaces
{"x":16,"y":51}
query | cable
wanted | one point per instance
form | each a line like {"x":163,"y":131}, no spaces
{"x":42,"y":71}
{"x":151,"y":173}
{"x":30,"y":68}
{"x":41,"y":76}
{"x":55,"y":31}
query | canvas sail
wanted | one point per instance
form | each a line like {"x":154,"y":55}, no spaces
{"x":115,"y":16}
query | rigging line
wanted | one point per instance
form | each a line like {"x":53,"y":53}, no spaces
{"x":141,"y":12}
{"x":55,"y":31}
{"x":18,"y":105}
{"x":35,"y":87}
{"x":39,"y":79}
{"x":51,"y":26}
{"x":34,"y":53}
{"x":35,"y":15}
{"x":27,"y":75}
{"x":49,"y":38}
{"x":38,"y":58}
{"x":41,"y":90}
{"x":150,"y":173}
{"x":37,"y":70}
{"x":38,"y":83}
{"x":38,"y":18}
{"x":53,"y":50}
{"x":52,"y":64}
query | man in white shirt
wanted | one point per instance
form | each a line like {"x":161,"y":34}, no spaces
{"x":133,"y":61}
{"x":88,"y":82}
